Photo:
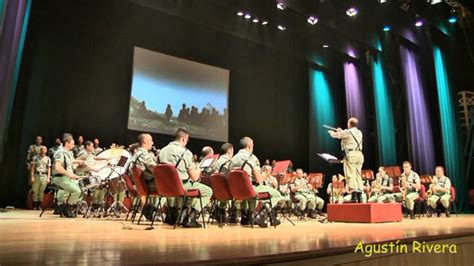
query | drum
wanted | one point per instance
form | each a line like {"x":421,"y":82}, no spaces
{"x":119,"y":160}
{"x":117,"y":185}
{"x":89,"y":182}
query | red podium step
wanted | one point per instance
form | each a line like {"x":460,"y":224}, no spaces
{"x":365,"y":212}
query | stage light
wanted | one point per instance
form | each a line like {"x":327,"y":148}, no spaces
{"x":281,"y":6}
{"x":313,"y":20}
{"x":419,"y":23}
{"x":247,"y":16}
{"x":452,"y":19}
{"x":351,"y":12}
{"x":240,"y":13}
{"x":264,"y":22}
{"x":434,"y":2}
{"x":325,"y":46}
{"x":281,"y":27}
{"x":255,"y":20}
{"x":387,"y":28}
{"x":382,"y":1}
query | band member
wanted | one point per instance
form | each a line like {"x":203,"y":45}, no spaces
{"x":318,"y":201}
{"x":64,"y":176}
{"x":97,"y":148}
{"x":79,"y":146}
{"x":206,"y":152}
{"x":385,"y":185}
{"x":350,"y":199}
{"x":336,"y":195}
{"x":440,"y":190}
{"x":177,"y":154}
{"x":222,"y":164}
{"x":52,"y":150}
{"x":40,"y":176}
{"x":247,"y":161}
{"x":412,"y":187}
{"x":271,"y":182}
{"x":307,"y":200}
{"x":351,"y":145}
{"x":33,"y":151}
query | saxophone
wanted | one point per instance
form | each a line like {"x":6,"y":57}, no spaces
{"x":404,"y":186}
{"x":434,"y":182}
{"x":337,"y":190}
{"x":377,"y":187}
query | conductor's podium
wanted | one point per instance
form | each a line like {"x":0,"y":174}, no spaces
{"x":365,"y":212}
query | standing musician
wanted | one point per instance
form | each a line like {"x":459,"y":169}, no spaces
{"x":177,"y":154}
{"x":410,"y":187}
{"x":33,"y":151}
{"x":64,"y":176}
{"x":97,"y":148}
{"x":440,"y":190}
{"x":40,"y":176}
{"x":336,"y":194}
{"x":302,"y":190}
{"x":79,"y":146}
{"x":247,"y":161}
{"x":383,"y":187}
{"x":351,"y":145}
{"x":52,"y":150}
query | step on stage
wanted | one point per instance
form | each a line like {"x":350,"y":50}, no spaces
{"x":28,"y":239}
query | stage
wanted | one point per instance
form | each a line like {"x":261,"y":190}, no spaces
{"x":28,"y":239}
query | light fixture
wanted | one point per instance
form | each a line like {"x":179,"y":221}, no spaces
{"x":434,"y":2}
{"x":281,"y":27}
{"x":240,"y":13}
{"x":387,"y":28}
{"x":382,"y":1}
{"x":264,"y":22}
{"x":247,"y":16}
{"x":453,"y":18}
{"x":351,"y":12}
{"x":255,"y":20}
{"x":281,"y":6}
{"x":312,"y":20}
{"x":419,"y":23}
{"x":325,"y":46}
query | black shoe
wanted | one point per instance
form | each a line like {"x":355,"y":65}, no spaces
{"x":311,"y":214}
{"x":191,"y":221}
{"x":429,"y":211}
{"x":148,"y":212}
{"x":184,"y":216}
{"x":67,"y":211}
{"x":447,"y":212}
{"x":171,"y":215}
{"x":222,"y":215}
{"x":438,"y":212}
{"x":244,"y":217}
{"x":354,"y":197}
{"x":412,"y":214}
{"x":261,"y":218}
{"x":273,"y":218}
{"x":233,"y":216}
{"x":359,"y":197}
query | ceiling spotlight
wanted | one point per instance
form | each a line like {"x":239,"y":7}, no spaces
{"x":387,"y":28}
{"x":255,"y":20}
{"x":281,"y":27}
{"x":247,"y":16}
{"x":264,"y":22}
{"x":281,"y":6}
{"x":325,"y":46}
{"x":419,"y":23}
{"x":434,"y":2}
{"x":453,"y":18}
{"x":352,"y":11}
{"x":313,"y":20}
{"x":382,"y":1}
{"x":240,"y":13}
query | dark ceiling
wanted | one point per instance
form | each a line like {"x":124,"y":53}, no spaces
{"x":345,"y":35}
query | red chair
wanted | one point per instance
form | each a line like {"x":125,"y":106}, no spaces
{"x":133,"y":194}
{"x":169,"y":185}
{"x":422,"y":199}
{"x":220,"y":190}
{"x":142,"y":190}
{"x":368,"y":175}
{"x":452,"y":200}
{"x":241,"y":189}
{"x":393,"y":171}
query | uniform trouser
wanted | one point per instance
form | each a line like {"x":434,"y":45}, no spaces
{"x":410,"y":200}
{"x":206,"y":194}
{"x":39,"y":186}
{"x":275,"y":198}
{"x":353,"y":169}
{"x":98,"y":196}
{"x":348,"y":198}
{"x":119,"y":196}
{"x":382,"y":198}
{"x":336,"y":199}
{"x":67,"y":186}
{"x":443,"y":198}
{"x":306,"y":199}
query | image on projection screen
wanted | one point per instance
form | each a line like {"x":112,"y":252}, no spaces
{"x":170,"y":92}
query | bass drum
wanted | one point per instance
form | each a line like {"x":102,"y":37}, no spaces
{"x":118,"y":162}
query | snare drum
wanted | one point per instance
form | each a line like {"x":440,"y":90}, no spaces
{"x":119,"y":159}
{"x":117,"y":185}
{"x":89,"y":182}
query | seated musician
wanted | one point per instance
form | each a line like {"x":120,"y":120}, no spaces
{"x":336,"y":195}
{"x":307,"y":200}
{"x":64,"y":176}
{"x":222,"y":164}
{"x":440,"y":191}
{"x":319,"y":202}
{"x":177,"y":154}
{"x":411,"y":186}
{"x":247,"y":161}
{"x":271,"y":182}
{"x":384,"y":183}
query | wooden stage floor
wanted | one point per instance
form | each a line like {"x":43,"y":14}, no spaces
{"x":28,"y":239}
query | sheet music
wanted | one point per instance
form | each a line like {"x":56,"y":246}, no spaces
{"x":328,"y":157}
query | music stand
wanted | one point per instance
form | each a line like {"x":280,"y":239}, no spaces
{"x":208,"y":162}
{"x":329,"y":158}
{"x":280,"y":167}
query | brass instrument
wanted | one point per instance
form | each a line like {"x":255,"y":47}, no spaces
{"x":377,"y":187}
{"x":434,"y":182}
{"x":338,"y":187}
{"x":404,"y":186}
